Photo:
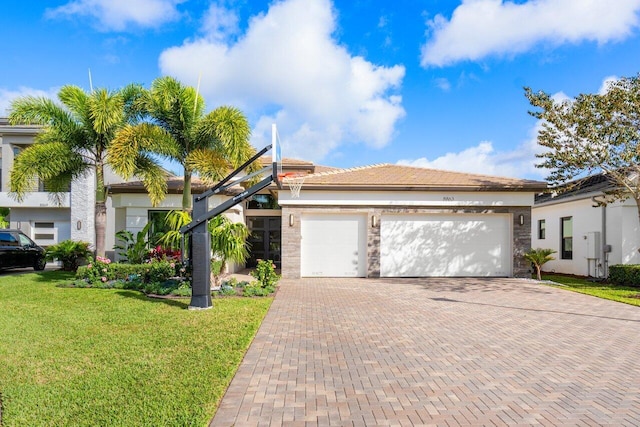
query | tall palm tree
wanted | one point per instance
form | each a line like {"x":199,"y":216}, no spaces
{"x":177,"y":128}
{"x":77,"y":135}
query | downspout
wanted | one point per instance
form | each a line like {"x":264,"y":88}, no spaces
{"x":604,"y":267}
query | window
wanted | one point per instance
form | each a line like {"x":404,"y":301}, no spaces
{"x":263,"y":201}
{"x":43,"y":225}
{"x":158,"y":226}
{"x":8,"y":239}
{"x":566,"y":237}
{"x":542,"y":228}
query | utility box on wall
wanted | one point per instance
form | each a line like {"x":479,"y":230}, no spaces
{"x":594,"y":249}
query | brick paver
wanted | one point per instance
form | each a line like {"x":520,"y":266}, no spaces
{"x":449,"y":352}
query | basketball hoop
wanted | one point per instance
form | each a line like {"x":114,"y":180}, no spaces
{"x":294,"y":181}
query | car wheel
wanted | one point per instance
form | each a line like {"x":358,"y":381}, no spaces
{"x":39,"y":264}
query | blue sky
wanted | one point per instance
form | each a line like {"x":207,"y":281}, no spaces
{"x":431,"y":83}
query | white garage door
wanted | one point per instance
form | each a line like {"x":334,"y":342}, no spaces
{"x":445,"y":245}
{"x":333,"y":245}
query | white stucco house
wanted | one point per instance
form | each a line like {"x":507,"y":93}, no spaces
{"x":47,"y":220}
{"x":588,"y":238}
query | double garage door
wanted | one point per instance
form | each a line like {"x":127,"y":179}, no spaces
{"x":442,"y":245}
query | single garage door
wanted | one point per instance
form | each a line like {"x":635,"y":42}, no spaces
{"x":333,"y":245}
{"x":447,"y":245}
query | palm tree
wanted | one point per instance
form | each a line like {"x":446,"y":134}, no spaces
{"x":76,"y":138}
{"x":178,"y":129}
{"x":539,"y":257}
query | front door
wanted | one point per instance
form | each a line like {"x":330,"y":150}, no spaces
{"x":264,"y":240}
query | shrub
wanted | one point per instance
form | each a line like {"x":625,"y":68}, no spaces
{"x":133,"y":249}
{"x":625,"y":274}
{"x":256,"y":289}
{"x":265,"y":273}
{"x":70,"y":253}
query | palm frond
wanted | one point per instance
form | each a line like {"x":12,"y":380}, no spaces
{"x":227,"y":131}
{"x":153,"y":178}
{"x":106,"y":110}
{"x":38,"y":111}
{"x":50,"y":162}
{"x":175,"y":220}
{"x":209,"y":164}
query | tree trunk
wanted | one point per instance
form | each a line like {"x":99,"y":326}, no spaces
{"x":538,"y":272}
{"x":186,"y":192}
{"x":101,"y":226}
{"x":100,"y":211}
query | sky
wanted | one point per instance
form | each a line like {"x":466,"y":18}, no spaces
{"x":430,"y":83}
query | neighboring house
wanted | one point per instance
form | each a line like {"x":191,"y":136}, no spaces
{"x":43,"y":218}
{"x":588,"y":238}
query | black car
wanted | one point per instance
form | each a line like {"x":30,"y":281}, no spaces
{"x":17,"y":250}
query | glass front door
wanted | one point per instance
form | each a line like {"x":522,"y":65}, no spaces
{"x":264,"y":239}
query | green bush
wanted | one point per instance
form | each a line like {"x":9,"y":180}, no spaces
{"x":70,"y":253}
{"x":625,"y":274}
{"x":265,"y":273}
{"x":256,"y":289}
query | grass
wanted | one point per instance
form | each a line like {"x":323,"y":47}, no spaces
{"x":623,"y":294}
{"x":88,"y":357}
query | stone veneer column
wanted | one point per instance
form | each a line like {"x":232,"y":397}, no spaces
{"x":373,"y":244}
{"x":521,"y":241}
{"x":291,"y":240}
{"x":83,"y":200}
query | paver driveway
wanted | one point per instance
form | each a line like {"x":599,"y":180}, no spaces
{"x":438,"y":352}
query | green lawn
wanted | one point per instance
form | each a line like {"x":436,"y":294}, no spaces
{"x":90,"y":357}
{"x":601,"y":290}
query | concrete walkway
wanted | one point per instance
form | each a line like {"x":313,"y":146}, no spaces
{"x":438,"y":352}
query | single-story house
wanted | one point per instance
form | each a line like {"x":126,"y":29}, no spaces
{"x":374,"y":221}
{"x":398,"y":221}
{"x":587,"y":237}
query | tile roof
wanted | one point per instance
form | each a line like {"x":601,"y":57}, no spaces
{"x":175,"y":185}
{"x":387,"y":176}
{"x":591,"y":184}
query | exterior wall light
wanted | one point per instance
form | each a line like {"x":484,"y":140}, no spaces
{"x":79,"y":225}
{"x":521,"y":219}
{"x":291,"y":220}
{"x":374,"y":221}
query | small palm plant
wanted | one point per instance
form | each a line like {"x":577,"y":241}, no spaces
{"x":539,"y":257}
{"x":228,"y":242}
{"x":70,"y":253}
{"x":228,"y":239}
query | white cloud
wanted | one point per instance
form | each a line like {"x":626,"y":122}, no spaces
{"x":119,"y":14}
{"x":481,"y":28}
{"x":443,"y":84}
{"x":287,"y":67}
{"x":219,"y":23}
{"x":7,"y":96}
{"x":604,"y":87}
{"x":485,"y":159}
